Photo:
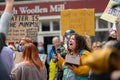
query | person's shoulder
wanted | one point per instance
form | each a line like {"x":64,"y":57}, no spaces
{"x":5,"y":48}
{"x":19,"y":64}
{"x":6,"y":16}
{"x":22,"y":66}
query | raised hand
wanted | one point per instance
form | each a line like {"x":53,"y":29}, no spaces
{"x":9,"y":6}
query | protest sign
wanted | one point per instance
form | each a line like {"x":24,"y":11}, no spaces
{"x":23,"y":26}
{"x":110,"y":14}
{"x":79,"y":20}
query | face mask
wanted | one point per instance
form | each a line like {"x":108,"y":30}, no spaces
{"x":40,"y":48}
{"x":20,"y":48}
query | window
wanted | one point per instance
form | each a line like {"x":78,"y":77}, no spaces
{"x":103,"y":24}
{"x":56,"y":25}
{"x":100,"y":36}
{"x":102,"y":28}
{"x":45,"y":26}
{"x":53,"y":25}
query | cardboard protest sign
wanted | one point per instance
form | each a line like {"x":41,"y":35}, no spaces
{"x":80,"y":20}
{"x":72,"y":60}
{"x":110,"y":14}
{"x":23,"y":26}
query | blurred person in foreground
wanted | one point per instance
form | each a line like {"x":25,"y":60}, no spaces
{"x":32,"y":67}
{"x":6,"y":54}
{"x":6,"y":16}
{"x":110,"y":44}
{"x":3,"y":70}
{"x":104,"y":64}
{"x":116,"y":73}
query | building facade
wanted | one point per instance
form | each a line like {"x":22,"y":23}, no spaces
{"x":49,"y":16}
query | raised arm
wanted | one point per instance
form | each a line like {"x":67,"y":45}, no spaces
{"x":6,"y":16}
{"x":9,"y":6}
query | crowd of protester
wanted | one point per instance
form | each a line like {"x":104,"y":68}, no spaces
{"x":74,"y":58}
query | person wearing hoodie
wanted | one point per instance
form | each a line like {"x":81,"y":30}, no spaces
{"x":6,"y":54}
